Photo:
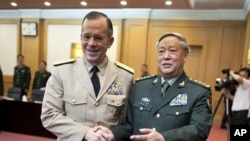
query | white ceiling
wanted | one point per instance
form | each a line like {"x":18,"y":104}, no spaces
{"x":153,"y":9}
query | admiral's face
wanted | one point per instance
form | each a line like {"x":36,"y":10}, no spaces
{"x":171,"y":57}
{"x":95,"y":40}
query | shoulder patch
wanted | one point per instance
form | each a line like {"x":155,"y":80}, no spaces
{"x":125,"y":67}
{"x":58,"y":63}
{"x":144,"y":78}
{"x":199,"y":83}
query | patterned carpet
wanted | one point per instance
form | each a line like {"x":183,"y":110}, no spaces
{"x":216,"y":134}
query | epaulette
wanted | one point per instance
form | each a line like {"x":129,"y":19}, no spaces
{"x":58,"y":63}
{"x":127,"y":68}
{"x":199,"y":83}
{"x":144,"y":78}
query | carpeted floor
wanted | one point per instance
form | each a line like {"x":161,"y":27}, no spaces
{"x":216,"y":134}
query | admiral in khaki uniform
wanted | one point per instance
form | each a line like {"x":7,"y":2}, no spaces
{"x":72,"y":106}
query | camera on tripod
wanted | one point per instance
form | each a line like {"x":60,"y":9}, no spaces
{"x":228,"y":82}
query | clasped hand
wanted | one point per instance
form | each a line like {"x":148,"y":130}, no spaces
{"x":101,"y":133}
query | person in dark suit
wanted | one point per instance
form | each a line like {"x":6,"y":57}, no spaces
{"x":22,"y":75}
{"x":1,"y":84}
{"x":89,"y":91}
{"x":41,"y":76}
{"x":179,"y":111}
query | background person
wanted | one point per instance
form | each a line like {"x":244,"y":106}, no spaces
{"x":41,"y":76}
{"x":144,"y":70}
{"x":179,"y":113}
{"x":241,"y":99}
{"x":71,"y":106}
{"x":22,"y":75}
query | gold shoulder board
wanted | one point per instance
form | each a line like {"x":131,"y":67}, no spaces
{"x":58,"y":63}
{"x":199,"y":83}
{"x":125,"y":67}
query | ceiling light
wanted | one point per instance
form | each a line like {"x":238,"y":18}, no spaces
{"x":123,"y":2}
{"x":47,"y":3}
{"x":13,"y":4}
{"x":84,"y":3}
{"x":168,"y":2}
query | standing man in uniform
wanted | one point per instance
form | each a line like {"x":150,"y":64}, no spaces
{"x":39,"y":83}
{"x":22,"y":75}
{"x":144,"y":70}
{"x":41,"y":76}
{"x":72,"y":104}
{"x":170,"y":106}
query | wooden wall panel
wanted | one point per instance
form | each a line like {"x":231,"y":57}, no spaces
{"x":134,"y":47}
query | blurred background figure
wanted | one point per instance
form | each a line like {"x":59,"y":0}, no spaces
{"x":1,"y":84}
{"x":241,"y":99}
{"x":39,"y":83}
{"x":144,"y":70}
{"x":41,"y":76}
{"x":22,"y":75}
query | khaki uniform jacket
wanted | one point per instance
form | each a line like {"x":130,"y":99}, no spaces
{"x":70,"y":106}
{"x":183,"y":114}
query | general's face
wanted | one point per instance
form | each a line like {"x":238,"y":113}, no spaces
{"x":171,"y":57}
{"x":95,"y":40}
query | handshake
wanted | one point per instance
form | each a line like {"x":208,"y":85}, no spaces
{"x":101,"y":133}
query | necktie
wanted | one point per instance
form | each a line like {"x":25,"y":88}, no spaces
{"x":164,"y":88}
{"x":95,"y":80}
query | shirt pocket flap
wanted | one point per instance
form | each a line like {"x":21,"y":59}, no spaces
{"x":116,"y":100}
{"x":143,"y":106}
{"x":75,"y":99}
{"x":177,"y":110}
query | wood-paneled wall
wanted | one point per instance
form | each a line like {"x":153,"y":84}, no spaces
{"x":215,"y":45}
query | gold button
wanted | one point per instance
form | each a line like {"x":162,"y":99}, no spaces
{"x":97,"y":104}
{"x":117,"y":103}
{"x":97,"y":124}
{"x":158,"y":115}
{"x":141,"y":108}
{"x":177,"y":113}
{"x":73,"y":100}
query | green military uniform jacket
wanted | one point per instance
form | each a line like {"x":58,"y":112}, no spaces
{"x":22,"y":77}
{"x":40,"y":80}
{"x":183,"y":114}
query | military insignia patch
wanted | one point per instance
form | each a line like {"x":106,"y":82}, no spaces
{"x":144,"y":101}
{"x":180,"y":99}
{"x":116,"y":89}
{"x":209,"y":101}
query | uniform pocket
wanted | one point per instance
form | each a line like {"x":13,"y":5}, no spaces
{"x":75,"y":99}
{"x":116,"y":100}
{"x":177,"y":110}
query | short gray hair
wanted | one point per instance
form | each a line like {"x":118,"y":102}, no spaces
{"x":182,"y":39}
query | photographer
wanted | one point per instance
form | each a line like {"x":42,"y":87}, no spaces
{"x":241,"y":99}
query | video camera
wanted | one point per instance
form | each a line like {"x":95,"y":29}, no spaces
{"x":228,"y":82}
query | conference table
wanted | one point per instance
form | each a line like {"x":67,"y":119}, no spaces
{"x":22,"y":117}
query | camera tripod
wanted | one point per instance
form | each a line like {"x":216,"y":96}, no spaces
{"x":225,"y":114}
